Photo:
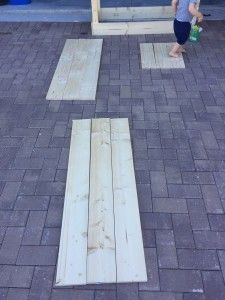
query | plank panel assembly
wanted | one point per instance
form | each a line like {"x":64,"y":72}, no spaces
{"x":101,"y":239}
{"x":76,"y":75}
{"x":156,"y":56}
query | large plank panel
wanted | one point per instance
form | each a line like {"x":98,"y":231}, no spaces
{"x":73,"y":244}
{"x":101,"y":239}
{"x":101,"y":259}
{"x":129,"y":244}
{"x":76,"y":75}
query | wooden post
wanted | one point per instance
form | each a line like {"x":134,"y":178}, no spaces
{"x":127,"y":27}
{"x":95,"y":5}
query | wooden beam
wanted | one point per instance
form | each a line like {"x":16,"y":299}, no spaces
{"x":135,"y":13}
{"x":101,"y":258}
{"x":129,"y":244}
{"x":73,"y":242}
{"x":125,"y":28}
{"x":95,"y":5}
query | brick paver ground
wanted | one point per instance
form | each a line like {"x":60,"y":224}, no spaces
{"x":177,"y":120}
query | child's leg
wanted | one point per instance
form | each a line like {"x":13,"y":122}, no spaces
{"x":182,"y":49}
{"x":174,"y":52}
{"x":182,"y":31}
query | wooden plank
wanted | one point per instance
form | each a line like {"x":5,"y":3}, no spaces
{"x":162,"y":58}
{"x":101,"y":260}
{"x":80,"y":80}
{"x":147,"y":56}
{"x":72,"y":257}
{"x":130,"y":257}
{"x":95,"y":6}
{"x":60,"y":77}
{"x":136,"y":13}
{"x":126,"y":28}
{"x":83,"y":76}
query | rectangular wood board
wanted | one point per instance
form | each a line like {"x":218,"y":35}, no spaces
{"x":101,"y":238}
{"x":76,"y":75}
{"x":156,"y":56}
{"x":131,"y":28}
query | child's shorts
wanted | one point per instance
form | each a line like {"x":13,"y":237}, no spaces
{"x":182,"y":31}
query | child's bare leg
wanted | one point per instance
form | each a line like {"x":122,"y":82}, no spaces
{"x":175,"y":50}
{"x":182,"y":49}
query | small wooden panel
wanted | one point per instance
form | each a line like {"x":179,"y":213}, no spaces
{"x":163,"y":60}
{"x":126,"y":28}
{"x":129,"y":244}
{"x":76,"y":75}
{"x":101,"y":259}
{"x":136,"y":13}
{"x":156,"y":56}
{"x":73,"y":243}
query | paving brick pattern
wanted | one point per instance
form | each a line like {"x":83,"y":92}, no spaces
{"x":177,"y":120}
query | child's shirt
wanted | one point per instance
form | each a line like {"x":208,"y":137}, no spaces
{"x":183,"y":14}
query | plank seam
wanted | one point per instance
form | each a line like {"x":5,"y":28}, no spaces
{"x":89,"y":203}
{"x":153,"y":47}
{"x":113,"y":196}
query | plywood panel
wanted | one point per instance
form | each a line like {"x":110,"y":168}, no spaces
{"x":73,"y":243}
{"x":76,"y":75}
{"x":129,"y":245}
{"x":101,"y":259}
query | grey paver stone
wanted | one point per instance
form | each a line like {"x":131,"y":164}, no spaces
{"x":181,"y":281}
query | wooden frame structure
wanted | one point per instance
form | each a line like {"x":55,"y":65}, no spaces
{"x":131,"y":20}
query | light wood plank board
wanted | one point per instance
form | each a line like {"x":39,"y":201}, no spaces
{"x":95,"y":6}
{"x":147,"y":56}
{"x":73,"y":243}
{"x":135,"y":13}
{"x":101,"y":239}
{"x":130,"y":28}
{"x":76,"y":75}
{"x":101,"y":259}
{"x":129,"y":244}
{"x":156,"y":56}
